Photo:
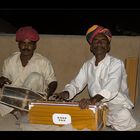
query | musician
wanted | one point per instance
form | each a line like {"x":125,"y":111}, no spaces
{"x":26,"y":68}
{"x":105,"y":77}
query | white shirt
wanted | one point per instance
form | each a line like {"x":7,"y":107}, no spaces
{"x":108,"y":79}
{"x":14,"y":71}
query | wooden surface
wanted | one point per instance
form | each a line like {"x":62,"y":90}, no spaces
{"x":81,"y":118}
{"x":132,"y":72}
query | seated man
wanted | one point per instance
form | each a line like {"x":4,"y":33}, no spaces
{"x":105,"y":76}
{"x":26,"y":68}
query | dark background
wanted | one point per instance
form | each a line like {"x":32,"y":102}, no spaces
{"x":73,"y":21}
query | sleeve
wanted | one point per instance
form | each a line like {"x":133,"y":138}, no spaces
{"x":113,"y":84}
{"x":6,"y":69}
{"x":77,"y":84}
{"x":48,"y":72}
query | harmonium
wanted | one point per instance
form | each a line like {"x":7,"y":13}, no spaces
{"x":63,"y":113}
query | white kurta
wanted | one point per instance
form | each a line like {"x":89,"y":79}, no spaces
{"x":38,"y":67}
{"x":36,"y":75}
{"x":108,"y":79}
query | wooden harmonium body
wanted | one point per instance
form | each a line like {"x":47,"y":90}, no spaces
{"x":61,"y":114}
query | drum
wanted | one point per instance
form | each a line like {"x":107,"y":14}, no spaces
{"x":19,"y":98}
{"x":61,"y":114}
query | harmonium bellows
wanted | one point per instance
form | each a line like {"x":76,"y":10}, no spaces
{"x":60,"y":114}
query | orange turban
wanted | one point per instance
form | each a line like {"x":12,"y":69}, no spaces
{"x":96,"y":29}
{"x":27,"y":32}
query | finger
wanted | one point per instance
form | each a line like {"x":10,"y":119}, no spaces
{"x":82,"y":104}
{"x":81,"y":101}
{"x":61,"y":99}
{"x":1,"y":85}
{"x":86,"y":106}
{"x":58,"y":98}
{"x":7,"y":81}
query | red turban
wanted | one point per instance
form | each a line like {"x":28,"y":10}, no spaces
{"x":27,"y":33}
{"x":96,"y":29}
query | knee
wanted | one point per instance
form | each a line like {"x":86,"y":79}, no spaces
{"x":123,"y":120}
{"x":124,"y":113}
{"x":120,"y":114}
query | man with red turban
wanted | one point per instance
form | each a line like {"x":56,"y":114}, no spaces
{"x":26,"y":68}
{"x":105,"y":77}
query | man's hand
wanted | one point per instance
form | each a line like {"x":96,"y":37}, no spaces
{"x":59,"y":96}
{"x":4,"y":80}
{"x":84,"y":103}
{"x":51,"y":88}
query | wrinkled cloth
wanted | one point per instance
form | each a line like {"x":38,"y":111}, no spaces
{"x":27,"y":33}
{"x":120,"y":118}
{"x":96,"y":29}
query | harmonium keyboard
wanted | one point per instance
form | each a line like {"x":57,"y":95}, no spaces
{"x":60,"y":114}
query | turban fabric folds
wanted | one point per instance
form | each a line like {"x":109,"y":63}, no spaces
{"x":96,"y":29}
{"x":27,"y":32}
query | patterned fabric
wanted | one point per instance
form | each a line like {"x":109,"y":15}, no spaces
{"x":27,"y":32}
{"x":96,"y":29}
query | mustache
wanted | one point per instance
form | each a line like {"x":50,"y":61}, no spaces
{"x":99,"y":48}
{"x":25,"y":49}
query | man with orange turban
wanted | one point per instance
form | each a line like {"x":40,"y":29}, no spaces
{"x":27,"y":69}
{"x":94,"y":30}
{"x":105,"y":77}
